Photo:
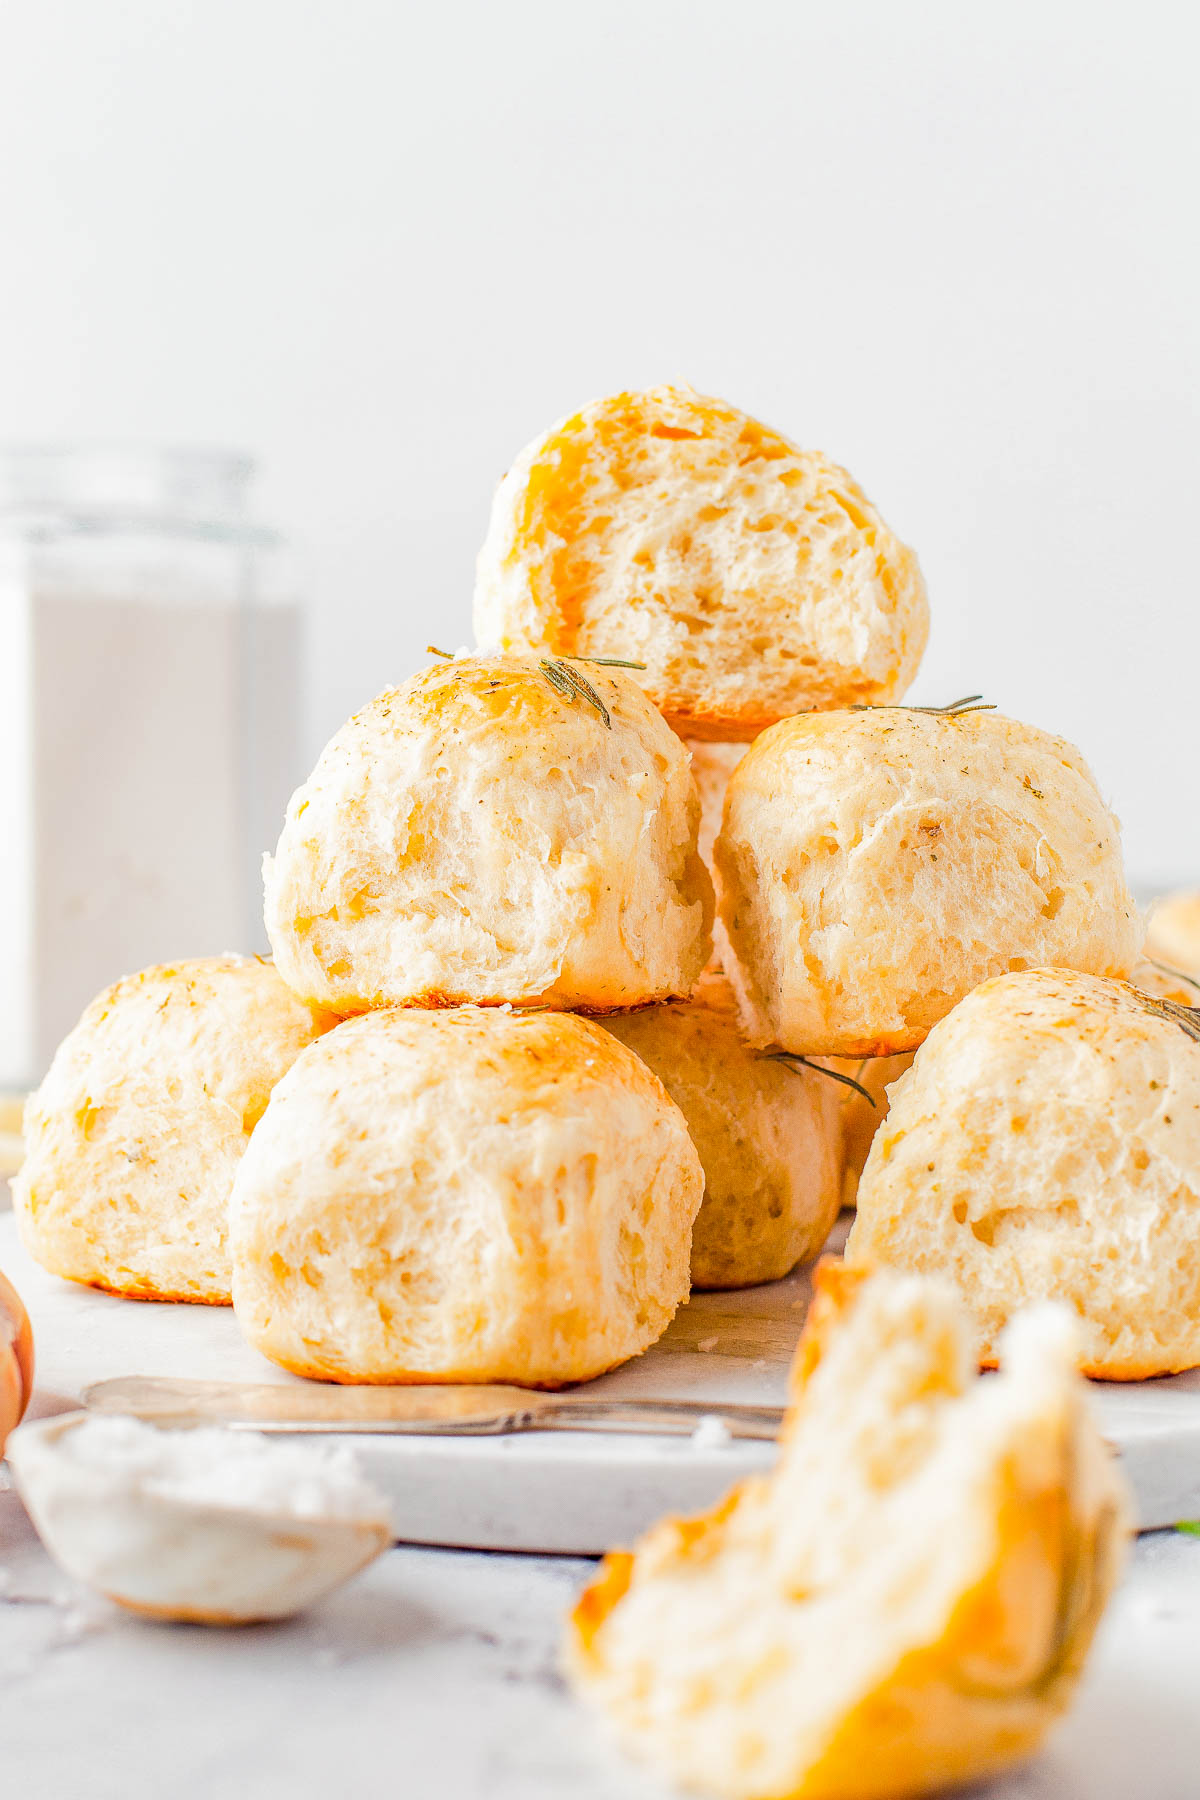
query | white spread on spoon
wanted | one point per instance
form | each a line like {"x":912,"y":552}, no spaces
{"x":217,"y":1467}
{"x":212,"y":1525}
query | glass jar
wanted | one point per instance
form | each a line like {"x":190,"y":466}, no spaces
{"x":150,"y":667}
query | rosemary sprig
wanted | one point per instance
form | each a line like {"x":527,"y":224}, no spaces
{"x":572,"y":686}
{"x":565,"y":680}
{"x":583,"y":686}
{"x":1186,"y":1017}
{"x":608,"y":662}
{"x":790,"y":1058}
{"x":968,"y":704}
{"x":556,"y":674}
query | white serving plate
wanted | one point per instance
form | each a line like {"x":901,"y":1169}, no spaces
{"x":570,"y":1492}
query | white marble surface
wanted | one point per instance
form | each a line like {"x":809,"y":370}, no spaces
{"x":435,"y":1674}
{"x":564,"y":1491}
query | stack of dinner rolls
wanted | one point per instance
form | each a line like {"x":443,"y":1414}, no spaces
{"x":501,"y":1097}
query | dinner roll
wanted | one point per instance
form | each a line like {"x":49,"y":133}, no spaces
{"x":1173,"y":931}
{"x":752,"y":578}
{"x":133,"y":1138}
{"x":467,"y":1195}
{"x":876,"y":865}
{"x":862,"y":1115}
{"x":768,"y":1133}
{"x":906,"y":1603}
{"x":1046,"y":1142}
{"x":497,"y":829}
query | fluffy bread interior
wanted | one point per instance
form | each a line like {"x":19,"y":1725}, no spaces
{"x":752,"y":578}
{"x":906,"y":1602}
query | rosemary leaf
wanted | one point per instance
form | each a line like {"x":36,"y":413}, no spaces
{"x":968,"y":704}
{"x":1190,"y":1526}
{"x":790,"y":1058}
{"x":583,"y":686}
{"x":1186,"y":1017}
{"x":607,"y":662}
{"x":572,"y":685}
{"x":556,"y":676}
{"x":432,"y":650}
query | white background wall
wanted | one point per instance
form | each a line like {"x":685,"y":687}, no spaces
{"x":381,"y":245}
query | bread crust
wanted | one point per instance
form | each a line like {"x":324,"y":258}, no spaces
{"x":437,"y":1001}
{"x":752,"y":578}
{"x":314,"y":1369}
{"x":477,"y":836}
{"x":460,"y":1196}
{"x":134,"y":1136}
{"x":874,"y":866}
{"x":1046,"y":1143}
{"x":215,"y":1295}
{"x":716,"y":725}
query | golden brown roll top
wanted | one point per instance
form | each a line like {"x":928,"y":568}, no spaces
{"x":464,"y":1195}
{"x":497,"y":829}
{"x":876,"y":865}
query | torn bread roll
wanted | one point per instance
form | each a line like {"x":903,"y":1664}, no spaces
{"x":464,"y":1195}
{"x":768,"y":1133}
{"x":487,"y":833}
{"x":1046,"y":1143}
{"x":906,"y":1602}
{"x":134,"y":1137}
{"x":752,"y":578}
{"x":875,"y":866}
